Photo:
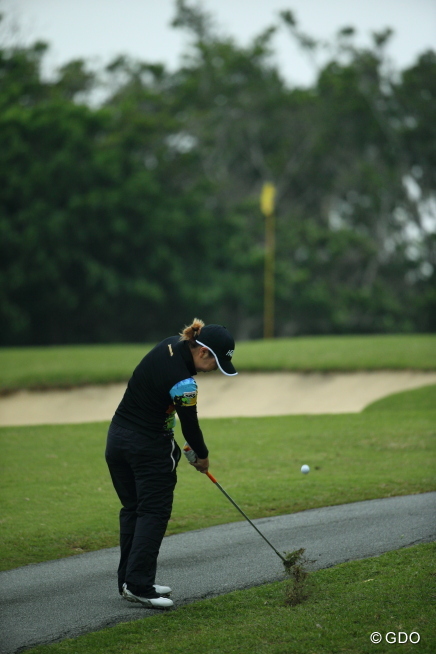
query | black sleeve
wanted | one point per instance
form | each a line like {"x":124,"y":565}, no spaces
{"x":191,"y":430}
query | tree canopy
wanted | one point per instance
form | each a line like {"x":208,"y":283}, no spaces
{"x":122,"y":218}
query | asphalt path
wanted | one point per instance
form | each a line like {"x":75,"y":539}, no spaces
{"x":48,"y":602}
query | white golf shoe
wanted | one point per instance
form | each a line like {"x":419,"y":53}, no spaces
{"x":150,"y":603}
{"x":162,"y":590}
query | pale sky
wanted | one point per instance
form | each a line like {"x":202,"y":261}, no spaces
{"x":99,"y":30}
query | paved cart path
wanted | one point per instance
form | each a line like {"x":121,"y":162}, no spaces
{"x":51,"y":601}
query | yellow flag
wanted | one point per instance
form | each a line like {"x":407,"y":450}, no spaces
{"x":267,"y":199}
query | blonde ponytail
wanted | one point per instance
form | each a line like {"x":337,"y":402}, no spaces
{"x":191,"y":332}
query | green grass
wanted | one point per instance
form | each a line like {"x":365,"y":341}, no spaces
{"x":420,"y":399}
{"x":45,"y":367}
{"x":57,"y":498}
{"x":335,"y":353}
{"x":65,"y":366}
{"x":390,"y":593}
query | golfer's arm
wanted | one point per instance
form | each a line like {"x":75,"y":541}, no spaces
{"x":191,"y":430}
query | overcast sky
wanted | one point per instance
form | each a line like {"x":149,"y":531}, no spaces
{"x":99,"y":30}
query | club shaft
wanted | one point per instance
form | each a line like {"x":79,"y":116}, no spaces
{"x":245,"y":516}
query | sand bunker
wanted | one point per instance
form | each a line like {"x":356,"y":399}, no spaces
{"x":258,"y":394}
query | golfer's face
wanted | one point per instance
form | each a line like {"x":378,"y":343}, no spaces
{"x":205,"y":361}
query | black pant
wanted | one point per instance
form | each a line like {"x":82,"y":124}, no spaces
{"x":143,"y":471}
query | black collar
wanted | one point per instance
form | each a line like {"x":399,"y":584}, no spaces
{"x":186,"y":354}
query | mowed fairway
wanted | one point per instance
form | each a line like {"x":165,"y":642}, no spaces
{"x":57,"y":498}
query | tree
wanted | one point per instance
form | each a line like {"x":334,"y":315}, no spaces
{"x":117,"y":219}
{"x":338,"y":159}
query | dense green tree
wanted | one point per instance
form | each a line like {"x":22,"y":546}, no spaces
{"x":94,"y":232}
{"x":338,"y":158}
{"x":120,"y":218}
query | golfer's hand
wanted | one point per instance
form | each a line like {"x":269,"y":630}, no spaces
{"x":202,"y":465}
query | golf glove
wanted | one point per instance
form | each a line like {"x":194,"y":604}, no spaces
{"x":189,"y":453}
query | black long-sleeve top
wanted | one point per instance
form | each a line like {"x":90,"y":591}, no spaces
{"x":162,"y":384}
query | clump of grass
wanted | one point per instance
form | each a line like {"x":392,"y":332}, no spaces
{"x":296,"y":586}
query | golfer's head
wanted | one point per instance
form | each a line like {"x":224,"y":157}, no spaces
{"x":216,"y":339}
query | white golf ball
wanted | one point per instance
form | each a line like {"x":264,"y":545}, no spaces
{"x":305,"y":469}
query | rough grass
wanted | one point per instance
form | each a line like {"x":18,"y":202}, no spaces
{"x":64,"y":366}
{"x":390,"y":593}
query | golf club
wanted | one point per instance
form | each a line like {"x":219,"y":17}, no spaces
{"x":212,"y":478}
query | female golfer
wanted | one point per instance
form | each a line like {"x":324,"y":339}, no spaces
{"x":142,"y":454}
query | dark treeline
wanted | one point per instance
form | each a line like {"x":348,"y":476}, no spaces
{"x":120,"y":220}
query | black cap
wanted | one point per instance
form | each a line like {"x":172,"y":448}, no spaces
{"x":221,"y":343}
